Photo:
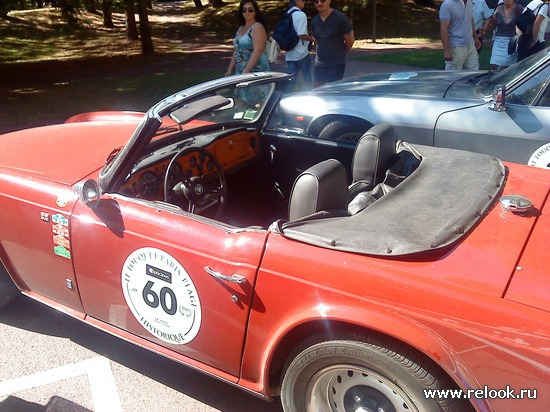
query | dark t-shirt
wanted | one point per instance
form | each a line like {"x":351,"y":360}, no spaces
{"x":331,"y":49}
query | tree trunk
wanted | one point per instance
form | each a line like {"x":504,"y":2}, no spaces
{"x":130,"y":20}
{"x":89,"y":6}
{"x":145,"y":29}
{"x":198,"y":4}
{"x":67,"y":12}
{"x":108,"y":13}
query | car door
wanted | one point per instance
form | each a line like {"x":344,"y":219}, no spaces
{"x":178,"y":280}
{"x":519,"y":134}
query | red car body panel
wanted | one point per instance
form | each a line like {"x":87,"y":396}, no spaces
{"x":57,"y":154}
{"x":126,"y":116}
{"x":195,"y":245}
{"x":530,"y":284}
{"x":121,"y":116}
{"x":458,"y":322}
{"x":479,"y":309}
{"x":28,"y":230}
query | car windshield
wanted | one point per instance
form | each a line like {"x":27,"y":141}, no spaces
{"x":514,"y":73}
{"x":236,"y":104}
{"x":232,"y":101}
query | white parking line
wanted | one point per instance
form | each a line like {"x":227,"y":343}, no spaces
{"x":104,"y":390}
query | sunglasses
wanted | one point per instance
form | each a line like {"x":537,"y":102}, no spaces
{"x":250,"y":9}
{"x":319,"y":1}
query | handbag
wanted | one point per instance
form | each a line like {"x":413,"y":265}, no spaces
{"x":272,"y":50}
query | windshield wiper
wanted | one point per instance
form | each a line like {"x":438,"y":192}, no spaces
{"x":167,"y":129}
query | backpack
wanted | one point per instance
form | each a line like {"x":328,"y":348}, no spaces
{"x":284,"y":34}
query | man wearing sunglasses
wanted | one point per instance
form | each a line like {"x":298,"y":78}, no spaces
{"x":334,"y":37}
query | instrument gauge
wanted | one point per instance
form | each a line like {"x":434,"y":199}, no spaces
{"x":149,"y":185}
{"x":176,"y":175}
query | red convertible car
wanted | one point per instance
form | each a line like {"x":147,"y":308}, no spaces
{"x":391,"y":277}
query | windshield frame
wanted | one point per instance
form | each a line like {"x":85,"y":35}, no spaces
{"x":113,"y":174}
{"x":515,"y":74}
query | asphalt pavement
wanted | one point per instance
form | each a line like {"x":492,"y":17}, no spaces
{"x":50,"y":362}
{"x":356,"y":67}
{"x":217,"y":56}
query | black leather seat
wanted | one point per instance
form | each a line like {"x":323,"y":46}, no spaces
{"x":322,"y":187}
{"x":373,"y":156}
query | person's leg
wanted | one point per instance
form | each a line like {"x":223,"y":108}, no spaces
{"x":472,"y":59}
{"x":319,"y":75}
{"x":305,"y":67}
{"x":459,"y":54}
{"x":292,"y":68}
{"x":336,"y":72}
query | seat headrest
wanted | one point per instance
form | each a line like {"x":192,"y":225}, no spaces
{"x":322,"y":187}
{"x":372,"y":154}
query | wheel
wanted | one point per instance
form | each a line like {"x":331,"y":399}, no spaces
{"x":205,"y":194}
{"x":8,"y":291}
{"x":343,"y":131}
{"x":345,"y":375}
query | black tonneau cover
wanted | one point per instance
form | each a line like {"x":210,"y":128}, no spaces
{"x":435,"y":206}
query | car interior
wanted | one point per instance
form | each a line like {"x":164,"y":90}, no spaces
{"x":229,"y":176}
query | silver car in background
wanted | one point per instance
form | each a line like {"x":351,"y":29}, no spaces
{"x":505,"y":114}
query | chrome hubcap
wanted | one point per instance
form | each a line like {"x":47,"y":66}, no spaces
{"x":354,"y":389}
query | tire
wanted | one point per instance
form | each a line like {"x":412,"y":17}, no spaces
{"x":345,"y":375}
{"x":8,"y":291}
{"x":342,"y":131}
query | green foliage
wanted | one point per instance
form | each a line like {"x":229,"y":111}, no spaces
{"x":393,"y":18}
{"x":6,"y":6}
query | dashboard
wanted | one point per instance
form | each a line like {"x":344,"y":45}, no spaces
{"x":232,"y":150}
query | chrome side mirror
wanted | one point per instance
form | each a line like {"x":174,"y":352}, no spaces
{"x":88,"y":192}
{"x":499,"y":99}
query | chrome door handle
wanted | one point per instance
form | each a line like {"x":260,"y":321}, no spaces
{"x":233,"y":278}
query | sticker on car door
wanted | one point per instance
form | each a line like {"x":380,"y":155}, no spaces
{"x":161,"y":295}
{"x":541,"y":157}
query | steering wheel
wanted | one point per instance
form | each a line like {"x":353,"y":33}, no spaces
{"x":205,"y":194}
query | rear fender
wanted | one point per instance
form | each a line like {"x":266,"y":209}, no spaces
{"x":342,"y":322}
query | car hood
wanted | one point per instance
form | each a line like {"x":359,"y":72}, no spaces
{"x":429,"y":84}
{"x":63,"y":153}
